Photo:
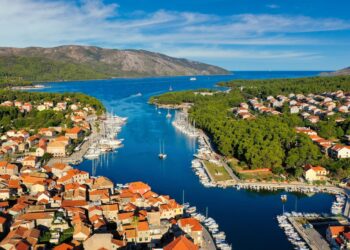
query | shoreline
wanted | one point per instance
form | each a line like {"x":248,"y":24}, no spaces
{"x":126,"y":77}
{"x":236,"y":182}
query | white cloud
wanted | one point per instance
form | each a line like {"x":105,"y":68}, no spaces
{"x":56,"y":22}
{"x":217,"y":53}
{"x":272,"y":6}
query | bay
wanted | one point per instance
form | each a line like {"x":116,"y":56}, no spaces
{"x":248,"y":218}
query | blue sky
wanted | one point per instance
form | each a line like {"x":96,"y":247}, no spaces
{"x":235,"y":34}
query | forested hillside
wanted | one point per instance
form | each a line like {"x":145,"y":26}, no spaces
{"x":267,"y":141}
{"x":73,"y":62}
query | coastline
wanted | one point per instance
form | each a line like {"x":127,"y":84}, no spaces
{"x":126,"y":77}
{"x":236,"y":182}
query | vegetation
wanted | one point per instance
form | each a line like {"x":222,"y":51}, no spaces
{"x":264,"y":88}
{"x":11,"y":117}
{"x":43,"y":69}
{"x":8,"y":81}
{"x":267,"y":141}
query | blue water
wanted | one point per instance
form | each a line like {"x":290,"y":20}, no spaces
{"x":248,"y":218}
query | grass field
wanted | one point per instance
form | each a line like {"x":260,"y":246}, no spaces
{"x":219,"y":173}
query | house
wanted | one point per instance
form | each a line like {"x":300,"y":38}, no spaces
{"x":338,"y":236}
{"x":315,"y":173}
{"x":110,"y":211}
{"x":181,"y":243}
{"x":29,"y":161}
{"x":193,"y":228}
{"x":75,"y":133}
{"x":57,"y":149}
{"x":3,"y":224}
{"x":27,"y":107}
{"x":48,"y":132}
{"x":64,"y":139}
{"x":294,"y":109}
{"x":139,"y":187}
{"x":21,"y":238}
{"x":40,"y":218}
{"x":59,"y":169}
{"x":81,"y":232}
{"x":339,"y":151}
{"x":73,"y":175}
{"x":98,"y":240}
{"x":313,"y":119}
{"x":143,"y":232}
{"x":8,"y":168}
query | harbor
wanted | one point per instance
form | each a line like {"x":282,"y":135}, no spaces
{"x":234,"y":211}
{"x":216,"y":238}
{"x":103,"y":139}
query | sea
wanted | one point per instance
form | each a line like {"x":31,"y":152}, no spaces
{"x":248,"y":218}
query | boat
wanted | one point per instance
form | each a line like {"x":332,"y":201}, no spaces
{"x":168,"y":115}
{"x":162,"y":155}
{"x":284,"y":197}
{"x":193,"y":79}
{"x":170,"y":88}
{"x":139,"y":94}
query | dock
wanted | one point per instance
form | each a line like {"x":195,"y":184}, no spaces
{"x":314,"y":240}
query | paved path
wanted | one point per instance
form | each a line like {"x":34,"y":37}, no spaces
{"x":208,"y":242}
{"x":311,"y":236}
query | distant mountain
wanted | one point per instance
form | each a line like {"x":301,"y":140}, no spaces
{"x":72,"y":62}
{"x":341,"y":72}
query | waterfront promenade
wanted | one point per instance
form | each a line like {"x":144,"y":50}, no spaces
{"x":77,"y":156}
{"x":208,"y":242}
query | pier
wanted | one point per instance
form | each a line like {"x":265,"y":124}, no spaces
{"x":314,"y":240}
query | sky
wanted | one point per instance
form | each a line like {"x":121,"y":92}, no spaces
{"x":234,"y":34}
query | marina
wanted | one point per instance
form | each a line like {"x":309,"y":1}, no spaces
{"x":211,"y":226}
{"x":106,"y":140}
{"x":233,"y":210}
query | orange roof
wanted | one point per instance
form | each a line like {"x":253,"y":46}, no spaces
{"x":2,"y":220}
{"x":139,"y":187}
{"x":339,"y":147}
{"x":181,"y":243}
{"x":192,"y":223}
{"x":36,"y":216}
{"x":123,"y":216}
{"x":315,"y":168}
{"x":72,"y":203}
{"x":63,"y":246}
{"x":59,"y":165}
{"x":30,"y":158}
{"x":32,"y":179}
{"x":74,"y":130}
{"x":142,"y":226}
{"x":336,"y":230}
{"x":14,"y":184}
{"x":131,"y":233}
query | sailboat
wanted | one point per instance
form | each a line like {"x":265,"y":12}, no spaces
{"x":170,"y":88}
{"x":193,"y":79}
{"x":168,"y":116}
{"x":162,"y":155}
